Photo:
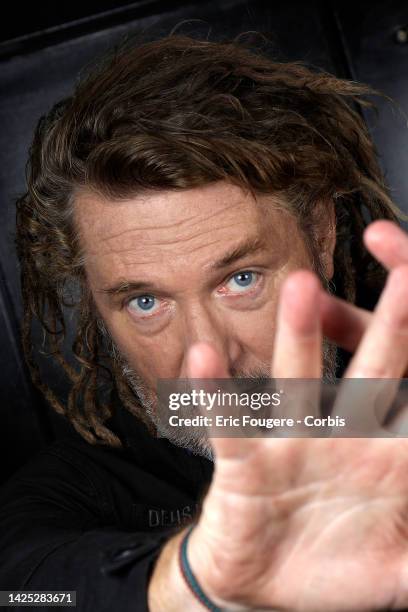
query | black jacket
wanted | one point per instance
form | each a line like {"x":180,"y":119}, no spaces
{"x":94,"y":518}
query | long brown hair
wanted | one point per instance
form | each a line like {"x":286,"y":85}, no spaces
{"x":175,"y":114}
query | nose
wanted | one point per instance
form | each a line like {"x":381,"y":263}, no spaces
{"x":202,"y":325}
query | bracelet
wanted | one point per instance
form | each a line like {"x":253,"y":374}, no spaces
{"x":191,"y":579}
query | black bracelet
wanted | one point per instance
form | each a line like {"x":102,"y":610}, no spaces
{"x":191,"y":579}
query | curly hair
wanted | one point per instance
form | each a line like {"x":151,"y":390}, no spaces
{"x":174,"y":114}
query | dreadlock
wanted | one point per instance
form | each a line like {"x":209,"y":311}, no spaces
{"x":178,"y":113}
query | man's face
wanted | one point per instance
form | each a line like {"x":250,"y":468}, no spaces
{"x":169,"y":269}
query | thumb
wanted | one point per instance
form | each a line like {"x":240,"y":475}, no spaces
{"x":203,"y":361}
{"x":204,"y":367}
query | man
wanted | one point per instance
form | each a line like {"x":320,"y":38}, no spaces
{"x":201,"y":203}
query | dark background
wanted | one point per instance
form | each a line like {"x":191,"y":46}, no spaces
{"x":43,"y":46}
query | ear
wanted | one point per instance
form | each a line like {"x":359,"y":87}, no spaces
{"x":325,"y":235}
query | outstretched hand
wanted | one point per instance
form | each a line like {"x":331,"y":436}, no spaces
{"x":303,"y":523}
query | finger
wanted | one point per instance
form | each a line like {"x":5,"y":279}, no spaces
{"x":387,"y":242}
{"x":362,"y":405}
{"x":204,"y":365}
{"x":383,"y":350}
{"x":399,"y":426}
{"x":382,"y":356}
{"x":298,"y":340}
{"x":297,"y":355}
{"x":343,"y":322}
{"x":203,"y":361}
{"x":206,"y":370}
{"x":397,"y":419}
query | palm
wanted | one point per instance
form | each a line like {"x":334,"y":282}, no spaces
{"x":323,"y":524}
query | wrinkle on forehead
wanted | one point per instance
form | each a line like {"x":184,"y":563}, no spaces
{"x":115,"y":226}
{"x":122,"y":233}
{"x":191,"y":221}
{"x":178,"y":262}
{"x":179,"y":245}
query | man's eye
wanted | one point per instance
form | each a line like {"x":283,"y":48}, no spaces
{"x":242,"y":281}
{"x":144,"y":304}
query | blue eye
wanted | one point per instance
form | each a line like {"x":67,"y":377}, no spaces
{"x":146,"y":303}
{"x":243,"y":280}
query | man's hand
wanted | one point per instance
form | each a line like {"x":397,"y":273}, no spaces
{"x":310,"y":524}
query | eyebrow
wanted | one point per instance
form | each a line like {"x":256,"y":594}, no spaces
{"x":127,"y":286}
{"x":250,"y":246}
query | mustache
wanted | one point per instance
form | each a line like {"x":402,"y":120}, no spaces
{"x":146,"y":399}
{"x":260,"y":372}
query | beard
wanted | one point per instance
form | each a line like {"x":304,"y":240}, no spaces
{"x":193,"y":438}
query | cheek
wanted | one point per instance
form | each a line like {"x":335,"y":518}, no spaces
{"x":255,"y":330}
{"x":151,"y":357}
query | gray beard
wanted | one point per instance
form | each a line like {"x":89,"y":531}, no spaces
{"x":192,"y":438}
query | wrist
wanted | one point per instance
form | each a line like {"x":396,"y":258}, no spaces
{"x":168,"y":590}
{"x":204,"y":571}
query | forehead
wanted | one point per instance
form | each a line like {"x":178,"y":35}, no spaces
{"x":152,"y":216}
{"x":194,"y":225}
